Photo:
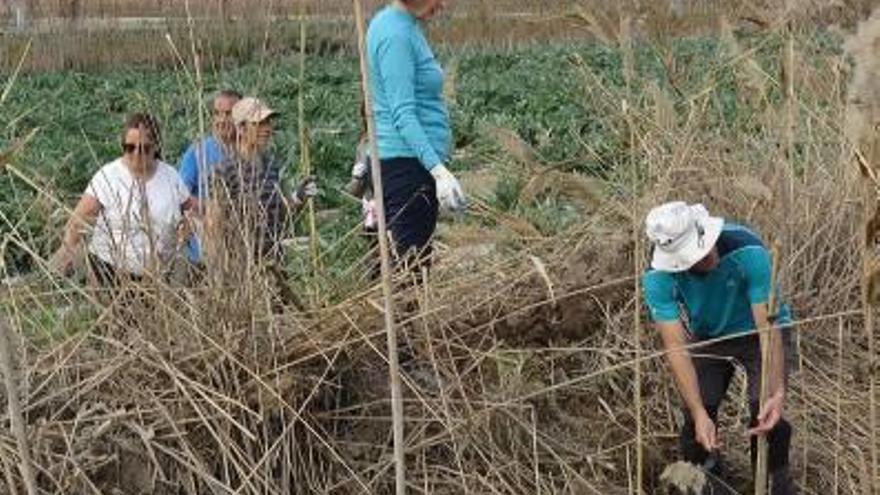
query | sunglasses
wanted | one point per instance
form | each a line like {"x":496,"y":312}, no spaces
{"x":141,"y":148}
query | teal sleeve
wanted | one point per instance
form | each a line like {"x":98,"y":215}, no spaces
{"x":755,"y":262}
{"x":396,"y":61}
{"x":659,"y":292}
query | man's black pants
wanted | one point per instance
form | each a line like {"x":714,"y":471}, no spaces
{"x":715,"y":367}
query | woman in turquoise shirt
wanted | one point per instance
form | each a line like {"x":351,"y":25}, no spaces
{"x":412,"y":125}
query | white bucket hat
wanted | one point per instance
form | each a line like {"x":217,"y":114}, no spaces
{"x":682,"y":235}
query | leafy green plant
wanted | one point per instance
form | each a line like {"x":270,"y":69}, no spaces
{"x":550,"y":96}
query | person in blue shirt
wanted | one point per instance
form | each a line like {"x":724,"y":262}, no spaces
{"x":709,"y":285}
{"x":412,"y":125}
{"x":203,"y":155}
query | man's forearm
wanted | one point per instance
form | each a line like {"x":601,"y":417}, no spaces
{"x":686,"y":378}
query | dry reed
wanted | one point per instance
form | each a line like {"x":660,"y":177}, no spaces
{"x":519,"y":369}
{"x":863,"y":116}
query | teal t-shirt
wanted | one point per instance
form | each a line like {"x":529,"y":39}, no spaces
{"x":412,"y":120}
{"x":720,"y":302}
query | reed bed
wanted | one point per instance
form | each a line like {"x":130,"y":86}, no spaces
{"x":520,"y":363}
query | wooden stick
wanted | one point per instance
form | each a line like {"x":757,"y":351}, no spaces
{"x":16,"y":72}
{"x":868,"y":260}
{"x":385,"y":255}
{"x":15,"y":415}
{"x":304,"y":150}
{"x":838,"y":409}
{"x":626,"y":49}
{"x":637,"y":307}
{"x":766,"y":342}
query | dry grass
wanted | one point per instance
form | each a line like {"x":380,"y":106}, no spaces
{"x":134,"y":8}
{"x":65,"y":37}
{"x":863,"y":115}
{"x":519,"y":366}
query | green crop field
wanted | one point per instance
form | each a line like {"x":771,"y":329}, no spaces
{"x":541,"y":94}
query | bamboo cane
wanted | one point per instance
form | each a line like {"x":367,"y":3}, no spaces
{"x":15,"y":414}
{"x":838,"y":410}
{"x":637,"y":313}
{"x":626,"y":48}
{"x":304,"y":150}
{"x":868,"y":260}
{"x":385,"y":256}
{"x":766,"y":342}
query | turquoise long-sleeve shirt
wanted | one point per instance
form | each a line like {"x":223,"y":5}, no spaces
{"x":412,"y":120}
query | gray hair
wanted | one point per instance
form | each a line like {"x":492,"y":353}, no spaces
{"x":226,"y":93}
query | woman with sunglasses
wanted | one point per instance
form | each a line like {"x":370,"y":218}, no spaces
{"x":133,"y":207}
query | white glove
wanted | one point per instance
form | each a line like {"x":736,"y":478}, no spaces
{"x":449,"y":192}
{"x":306,"y":189}
{"x":359,"y":169}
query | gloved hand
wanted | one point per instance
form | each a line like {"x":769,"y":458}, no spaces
{"x":449,"y":192}
{"x":307,"y":189}
{"x":358,"y":182}
{"x":359,"y":169}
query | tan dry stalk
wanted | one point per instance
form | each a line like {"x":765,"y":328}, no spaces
{"x":304,"y":142}
{"x":198,"y":85}
{"x":637,"y":307}
{"x":11,"y":485}
{"x":541,"y":269}
{"x":16,"y":72}
{"x":637,"y":368}
{"x":625,"y":41}
{"x":805,"y":416}
{"x":450,"y":89}
{"x":838,"y":408}
{"x":629,"y":71}
{"x":10,"y":374}
{"x":19,"y":144}
{"x":788,"y":81}
{"x":596,"y":27}
{"x":870,"y":198}
{"x":863,"y":115}
{"x":397,"y":412}
{"x":766,"y":341}
{"x":664,"y":109}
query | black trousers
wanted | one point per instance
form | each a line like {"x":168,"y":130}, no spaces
{"x":715,"y":368}
{"x":411,"y":208}
{"x":107,"y":275}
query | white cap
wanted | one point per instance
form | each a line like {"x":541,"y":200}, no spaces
{"x":682,"y":235}
{"x":250,"y":110}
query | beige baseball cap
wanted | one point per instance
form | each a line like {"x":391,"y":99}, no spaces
{"x":252,"y":110}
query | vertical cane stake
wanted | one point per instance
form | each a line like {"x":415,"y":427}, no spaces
{"x":385,"y":256}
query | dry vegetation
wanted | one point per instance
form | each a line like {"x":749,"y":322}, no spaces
{"x":520,"y":351}
{"x":86,"y":8}
{"x":72,"y":34}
